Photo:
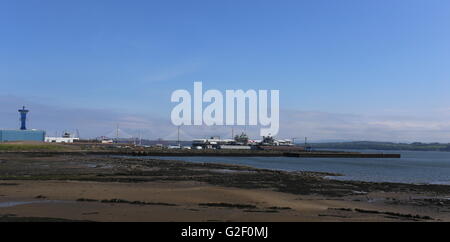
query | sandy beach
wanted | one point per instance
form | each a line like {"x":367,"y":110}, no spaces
{"x":103,"y":188}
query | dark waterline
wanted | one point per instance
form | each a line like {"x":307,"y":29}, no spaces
{"x":419,"y":167}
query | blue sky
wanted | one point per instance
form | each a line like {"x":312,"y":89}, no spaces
{"x":385,"y":62}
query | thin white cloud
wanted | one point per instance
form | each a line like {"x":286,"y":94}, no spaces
{"x":318,"y":126}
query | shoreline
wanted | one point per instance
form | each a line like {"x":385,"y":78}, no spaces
{"x":101,"y":188}
{"x":209,"y":153}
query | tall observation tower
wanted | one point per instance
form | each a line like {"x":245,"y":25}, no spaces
{"x":12,"y":135}
{"x":23,"y":118}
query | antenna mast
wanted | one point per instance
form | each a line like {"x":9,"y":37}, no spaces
{"x":178,"y":136}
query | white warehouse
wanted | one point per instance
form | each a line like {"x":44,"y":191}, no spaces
{"x":66,"y":138}
{"x":60,"y":139}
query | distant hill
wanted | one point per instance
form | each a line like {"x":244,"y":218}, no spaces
{"x":372,"y":145}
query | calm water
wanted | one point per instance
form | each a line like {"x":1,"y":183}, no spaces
{"x":414,"y":166}
{"x":18,"y":203}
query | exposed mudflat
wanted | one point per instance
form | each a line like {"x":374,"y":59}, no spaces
{"x":105,"y":188}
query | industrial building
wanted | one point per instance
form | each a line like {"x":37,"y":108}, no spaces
{"x":240,"y":142}
{"x":22,"y":134}
{"x":60,"y":139}
{"x":65,"y":138}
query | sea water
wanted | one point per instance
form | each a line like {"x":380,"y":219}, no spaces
{"x":419,"y":167}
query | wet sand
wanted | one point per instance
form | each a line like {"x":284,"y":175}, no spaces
{"x":101,"y":188}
